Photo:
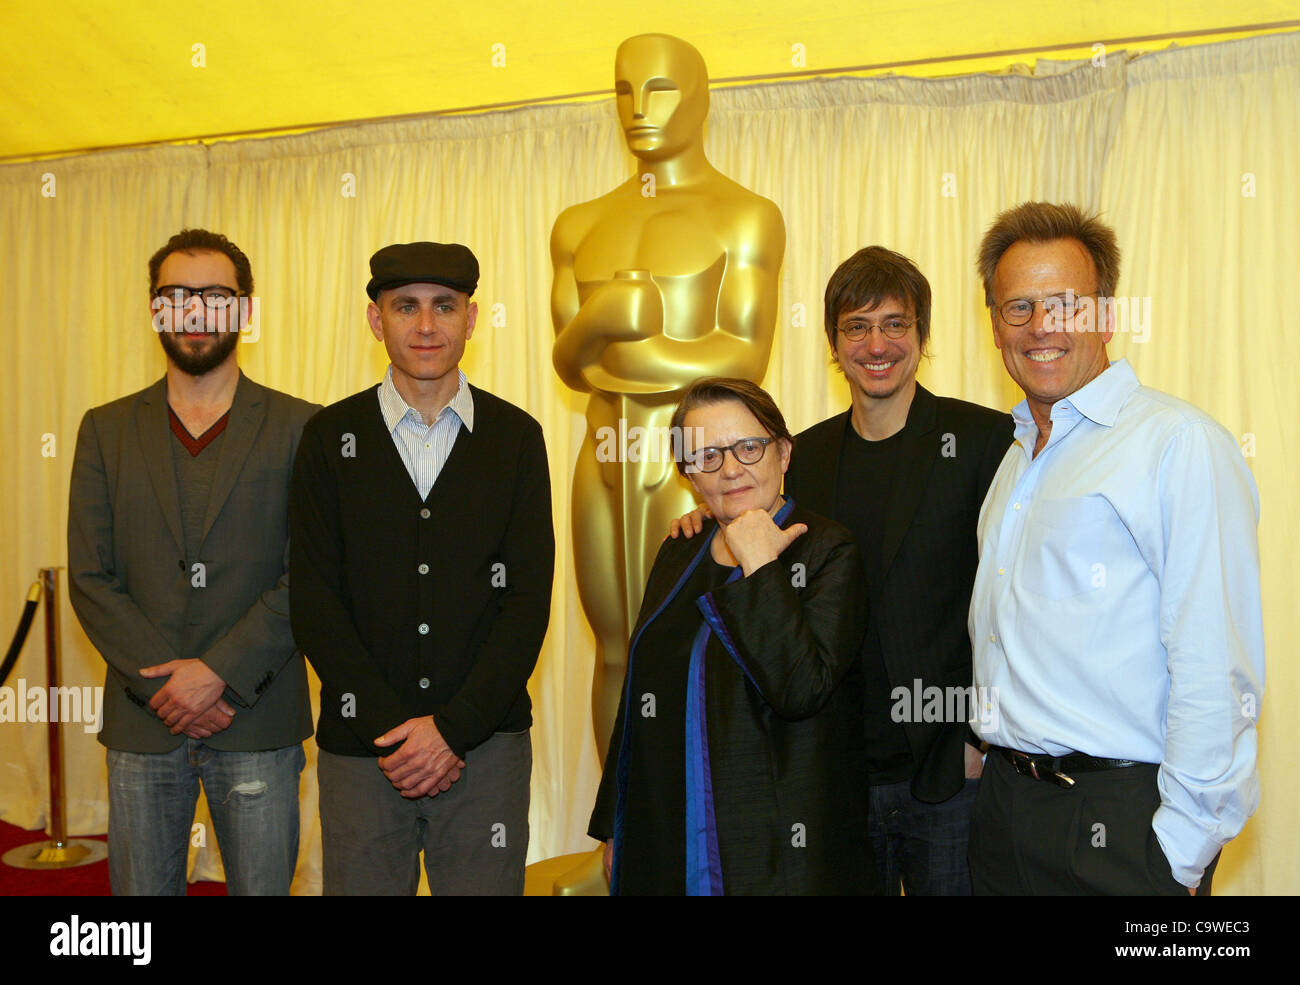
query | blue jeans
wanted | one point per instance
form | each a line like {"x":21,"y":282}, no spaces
{"x":253,"y":799}
{"x":921,"y":846}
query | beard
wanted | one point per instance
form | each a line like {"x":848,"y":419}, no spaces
{"x":199,"y":362}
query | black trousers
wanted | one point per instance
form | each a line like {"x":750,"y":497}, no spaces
{"x":1033,"y":838}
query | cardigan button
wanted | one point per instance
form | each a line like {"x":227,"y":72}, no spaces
{"x":424,"y":513}
{"x":423,"y":569}
{"x":424,"y":683}
{"x":424,"y":629}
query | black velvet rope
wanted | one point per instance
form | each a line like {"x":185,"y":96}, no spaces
{"x":20,"y":637}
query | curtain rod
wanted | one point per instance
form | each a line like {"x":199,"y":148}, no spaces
{"x":713,"y":83}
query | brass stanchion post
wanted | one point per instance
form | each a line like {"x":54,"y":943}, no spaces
{"x":58,"y":852}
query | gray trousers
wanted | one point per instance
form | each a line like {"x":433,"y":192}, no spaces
{"x":474,"y":836}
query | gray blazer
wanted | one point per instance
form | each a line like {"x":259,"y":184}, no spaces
{"x":133,"y":587}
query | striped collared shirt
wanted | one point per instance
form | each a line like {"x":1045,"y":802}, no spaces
{"x":424,"y":448}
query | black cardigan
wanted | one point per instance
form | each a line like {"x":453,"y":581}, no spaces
{"x":389,"y":642}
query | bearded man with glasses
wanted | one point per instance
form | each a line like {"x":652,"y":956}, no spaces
{"x":178,"y":538}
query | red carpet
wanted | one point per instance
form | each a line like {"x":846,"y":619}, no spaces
{"x":84,"y":880}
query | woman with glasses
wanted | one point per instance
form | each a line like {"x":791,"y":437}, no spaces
{"x":737,"y":763}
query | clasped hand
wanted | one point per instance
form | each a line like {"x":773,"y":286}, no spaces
{"x":190,"y":701}
{"x":425,"y":764}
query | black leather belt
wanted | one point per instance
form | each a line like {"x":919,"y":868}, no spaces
{"x":1057,"y":768}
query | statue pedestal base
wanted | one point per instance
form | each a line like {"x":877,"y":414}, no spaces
{"x":579,"y":874}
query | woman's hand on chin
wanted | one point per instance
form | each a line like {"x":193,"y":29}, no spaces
{"x":754,"y":539}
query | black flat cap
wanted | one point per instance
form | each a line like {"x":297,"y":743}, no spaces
{"x":449,"y":264}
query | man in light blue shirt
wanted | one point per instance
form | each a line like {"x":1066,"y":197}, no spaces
{"x":1115,"y":620}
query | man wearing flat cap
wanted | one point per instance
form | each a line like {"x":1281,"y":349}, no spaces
{"x":421,"y":562}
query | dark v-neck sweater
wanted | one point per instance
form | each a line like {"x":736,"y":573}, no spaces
{"x":408,"y":607}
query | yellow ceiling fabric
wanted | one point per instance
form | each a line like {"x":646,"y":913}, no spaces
{"x":82,"y":74}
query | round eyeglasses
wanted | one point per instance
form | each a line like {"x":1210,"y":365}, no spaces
{"x":1059,"y":309}
{"x":895,"y":328}
{"x":747,"y":451}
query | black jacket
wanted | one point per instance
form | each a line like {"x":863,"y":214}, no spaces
{"x":920,"y":594}
{"x":784,"y":715}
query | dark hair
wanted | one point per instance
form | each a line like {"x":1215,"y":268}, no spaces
{"x":867,"y":278}
{"x":1042,"y":222}
{"x":199,"y":241}
{"x":709,"y":390}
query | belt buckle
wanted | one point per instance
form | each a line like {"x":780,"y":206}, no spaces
{"x":1027,"y":765}
{"x":1024,"y":764}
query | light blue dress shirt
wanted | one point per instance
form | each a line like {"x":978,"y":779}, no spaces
{"x":1116,"y":608}
{"x":424,"y":448}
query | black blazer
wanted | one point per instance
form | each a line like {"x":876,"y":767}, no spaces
{"x":783,"y":699}
{"x":920,"y":594}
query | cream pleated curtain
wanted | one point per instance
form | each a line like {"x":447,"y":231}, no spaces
{"x":1191,"y":154}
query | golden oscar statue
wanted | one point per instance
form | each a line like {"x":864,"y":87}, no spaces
{"x":669,"y":277}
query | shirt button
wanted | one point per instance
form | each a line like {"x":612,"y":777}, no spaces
{"x":424,"y":683}
{"x":1002,"y":571}
{"x":423,"y":569}
{"x":424,"y":629}
{"x":1017,"y":506}
{"x":992,"y":638}
{"x":424,"y":513}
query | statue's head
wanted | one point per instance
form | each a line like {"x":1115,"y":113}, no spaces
{"x":662,"y":89}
